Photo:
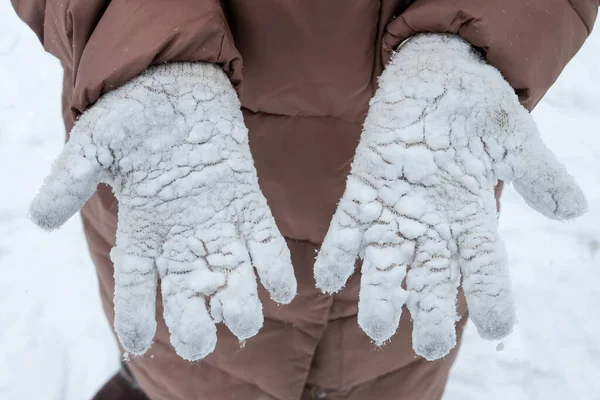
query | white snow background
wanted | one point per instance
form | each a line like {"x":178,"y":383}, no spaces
{"x":56,"y":344}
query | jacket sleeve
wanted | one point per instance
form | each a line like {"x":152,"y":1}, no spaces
{"x":530,"y":42}
{"x":102,"y":44}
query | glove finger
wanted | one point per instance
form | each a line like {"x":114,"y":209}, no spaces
{"x":541,"y":179}
{"x":432,"y":283}
{"x":381,"y":293}
{"x":344,"y":239}
{"x":134,"y":300}
{"x":193,"y":332}
{"x":237,"y":301}
{"x":270,"y":254}
{"x":72,"y":181}
{"x":486,"y":281}
{"x":186,"y":281}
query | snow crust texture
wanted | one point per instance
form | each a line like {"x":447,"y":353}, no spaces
{"x":174,"y":148}
{"x":419,"y":205}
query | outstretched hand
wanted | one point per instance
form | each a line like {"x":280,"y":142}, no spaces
{"x":441,"y":130}
{"x":173,"y":145}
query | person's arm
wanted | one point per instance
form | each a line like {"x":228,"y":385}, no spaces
{"x":530,"y":42}
{"x":104,"y":44}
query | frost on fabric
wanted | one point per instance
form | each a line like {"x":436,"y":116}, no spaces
{"x":442,"y":129}
{"x":173,"y":145}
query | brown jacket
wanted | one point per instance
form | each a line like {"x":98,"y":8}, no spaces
{"x":309,"y":70}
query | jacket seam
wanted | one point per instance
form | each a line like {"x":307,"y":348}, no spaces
{"x":589,"y":29}
{"x":307,"y":374}
{"x":303,"y":241}
{"x":414,"y":31}
{"x":224,"y":28}
{"x":223,"y":371}
{"x":220,"y":56}
{"x":376,"y":378}
{"x":378,"y":41}
{"x":273,"y":114}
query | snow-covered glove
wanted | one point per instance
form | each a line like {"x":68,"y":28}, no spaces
{"x":173,"y":145}
{"x":442,"y":128}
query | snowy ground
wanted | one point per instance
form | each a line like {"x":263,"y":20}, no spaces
{"x":54,"y":340}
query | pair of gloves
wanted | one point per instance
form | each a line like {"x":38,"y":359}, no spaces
{"x":419,"y":207}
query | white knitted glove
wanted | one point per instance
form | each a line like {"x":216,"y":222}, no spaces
{"x":173,"y":145}
{"x":441,"y":130}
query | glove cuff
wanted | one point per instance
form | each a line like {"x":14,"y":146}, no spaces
{"x":212,"y":74}
{"x":444,"y":46}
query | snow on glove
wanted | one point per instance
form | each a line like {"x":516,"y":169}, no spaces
{"x":173,"y":145}
{"x":442,"y":128}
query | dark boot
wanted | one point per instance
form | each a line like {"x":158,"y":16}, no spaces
{"x":122,"y":386}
